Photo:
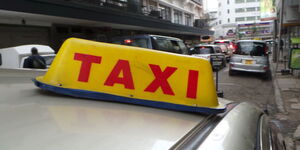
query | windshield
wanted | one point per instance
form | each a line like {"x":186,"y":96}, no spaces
{"x":221,"y":42}
{"x":204,"y":50}
{"x":251,"y":48}
{"x":48,"y":59}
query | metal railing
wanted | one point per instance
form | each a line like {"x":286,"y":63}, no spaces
{"x":198,"y":1}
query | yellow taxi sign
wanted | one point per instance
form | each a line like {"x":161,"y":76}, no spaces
{"x":128,"y":74}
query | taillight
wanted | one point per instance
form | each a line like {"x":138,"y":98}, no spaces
{"x":127,"y":41}
{"x":266,"y":50}
{"x":266,"y":68}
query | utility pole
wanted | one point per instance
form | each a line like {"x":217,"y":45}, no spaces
{"x":279,"y":37}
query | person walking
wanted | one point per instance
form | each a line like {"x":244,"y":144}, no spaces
{"x":35,"y":60}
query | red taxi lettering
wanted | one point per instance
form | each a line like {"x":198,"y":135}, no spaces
{"x":126,"y":79}
{"x":86,"y":65}
{"x":161,"y":79}
{"x":191,"y":91}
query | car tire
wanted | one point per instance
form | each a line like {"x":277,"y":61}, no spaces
{"x":224,"y":63}
{"x":232,"y":73}
{"x":266,"y":75}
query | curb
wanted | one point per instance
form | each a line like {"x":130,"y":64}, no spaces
{"x":278,"y":99}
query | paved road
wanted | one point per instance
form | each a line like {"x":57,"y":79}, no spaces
{"x":247,"y":87}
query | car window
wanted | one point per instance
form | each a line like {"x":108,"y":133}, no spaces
{"x":221,"y":42}
{"x":183,"y":47}
{"x":164,"y":44}
{"x":218,"y":49}
{"x":251,"y":48}
{"x":204,"y":50}
{"x":175,"y":46}
{"x":48,"y":59}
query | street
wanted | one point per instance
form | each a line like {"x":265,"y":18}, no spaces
{"x":250,"y":87}
{"x":247,"y":87}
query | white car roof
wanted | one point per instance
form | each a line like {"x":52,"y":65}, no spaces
{"x":252,"y":41}
{"x":32,"y":118}
{"x":35,"y":119}
{"x":26,"y":49}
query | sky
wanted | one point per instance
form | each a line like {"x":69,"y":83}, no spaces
{"x":210,"y":5}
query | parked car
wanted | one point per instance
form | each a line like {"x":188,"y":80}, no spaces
{"x":14,"y":57}
{"x":157,"y":42}
{"x":227,"y":46}
{"x":250,"y":56}
{"x":205,"y":51}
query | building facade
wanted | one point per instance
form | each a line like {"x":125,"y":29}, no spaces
{"x":176,"y":11}
{"x":240,"y":19}
{"x":287,"y":35}
{"x":50,"y":22}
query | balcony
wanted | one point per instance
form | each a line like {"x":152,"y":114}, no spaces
{"x":122,"y":5}
{"x":200,"y":2}
{"x":120,"y":14}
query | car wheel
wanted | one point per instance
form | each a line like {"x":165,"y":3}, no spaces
{"x":232,"y":73}
{"x":266,"y":75}
{"x":224,"y":63}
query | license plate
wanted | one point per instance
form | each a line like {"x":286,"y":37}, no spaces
{"x":248,"y":62}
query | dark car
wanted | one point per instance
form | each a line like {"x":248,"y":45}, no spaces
{"x":157,"y":42}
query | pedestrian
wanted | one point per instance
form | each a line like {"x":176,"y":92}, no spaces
{"x":35,"y":60}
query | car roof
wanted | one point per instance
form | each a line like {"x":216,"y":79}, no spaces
{"x":26,"y":49}
{"x":207,"y":45}
{"x":222,"y":40}
{"x":32,"y":118}
{"x":148,"y":35}
{"x":260,"y":41}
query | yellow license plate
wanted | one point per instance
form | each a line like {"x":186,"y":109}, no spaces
{"x":248,"y":61}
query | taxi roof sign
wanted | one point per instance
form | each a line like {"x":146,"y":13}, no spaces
{"x":128,"y":74}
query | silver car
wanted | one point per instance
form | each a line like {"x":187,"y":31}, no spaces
{"x":250,"y":56}
{"x":206,"y":51}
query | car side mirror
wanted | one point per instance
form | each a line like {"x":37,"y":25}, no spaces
{"x":192,"y":51}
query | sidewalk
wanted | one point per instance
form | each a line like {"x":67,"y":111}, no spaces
{"x":287,"y":99}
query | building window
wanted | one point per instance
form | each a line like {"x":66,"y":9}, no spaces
{"x":219,"y":4}
{"x":251,"y":18}
{"x":177,"y":17}
{"x":220,"y":22}
{"x":258,"y":17}
{"x":228,"y":11}
{"x":249,"y":9}
{"x":239,"y":10}
{"x":250,"y":0}
{"x":219,"y":13}
{"x":228,"y":20}
{"x":188,"y":19}
{"x":258,"y":8}
{"x":165,"y":12}
{"x":227,"y":1}
{"x":240,"y":19}
{"x":239,"y":1}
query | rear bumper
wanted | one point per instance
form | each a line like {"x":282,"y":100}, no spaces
{"x":259,"y":68}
